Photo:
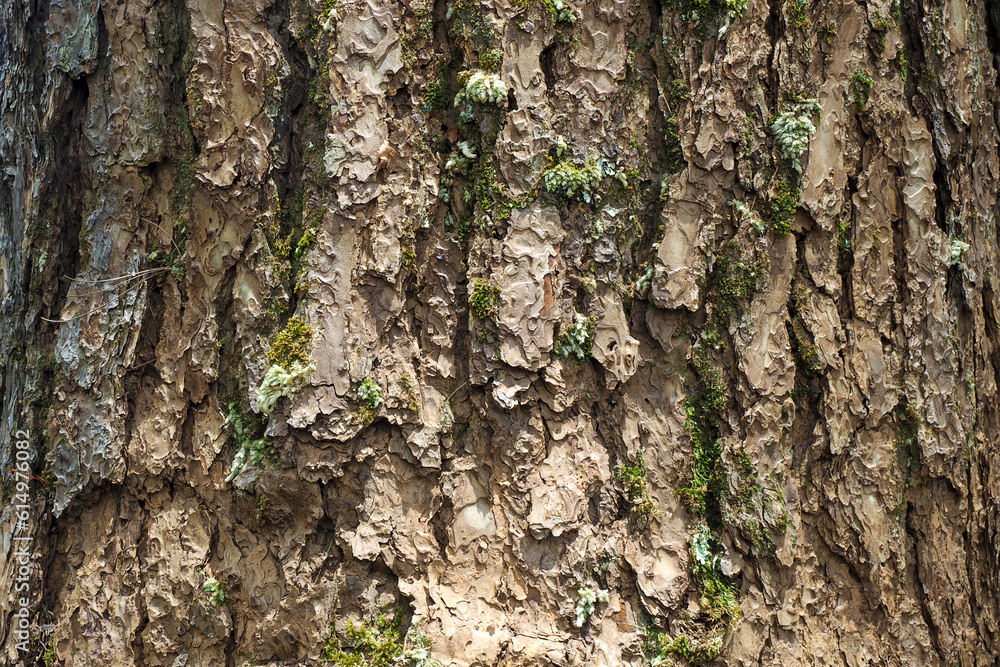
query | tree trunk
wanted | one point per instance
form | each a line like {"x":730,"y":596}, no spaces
{"x":500,"y":333}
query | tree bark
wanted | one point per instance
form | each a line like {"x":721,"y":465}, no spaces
{"x":507,"y":333}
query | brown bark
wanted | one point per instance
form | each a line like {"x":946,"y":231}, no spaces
{"x":340,"y":307}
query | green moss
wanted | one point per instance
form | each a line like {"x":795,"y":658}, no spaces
{"x":706,"y":15}
{"x":718,"y":592}
{"x":426,"y":29}
{"x":290,"y":369}
{"x":49,"y":657}
{"x":746,"y":216}
{"x":678,"y":91}
{"x":844,"y":244}
{"x":804,"y":351}
{"x":308,"y":238}
{"x":318,"y":93}
{"x":369,"y":394}
{"x":247,"y":431}
{"x":485,"y":299}
{"x":759,"y":538}
{"x":861,"y":87}
{"x":751,"y":504}
{"x":565,"y":180}
{"x":881,"y":27}
{"x":718,"y":601}
{"x":735,"y":280}
{"x":375,"y":644}
{"x":184,"y":162}
{"x":280,"y":229}
{"x":785,"y":202}
{"x":292,"y":344}
{"x":798,"y":12}
{"x":488,"y":206}
{"x":559,"y":11}
{"x":632,"y":475}
{"x":438,"y":91}
{"x":903,"y":65}
{"x":490,"y":60}
{"x":732,"y":281}
{"x":493,"y":206}
{"x":703,"y":407}
{"x":216,"y":591}
{"x":464,"y":229}
{"x":749,"y":486}
{"x":675,"y":154}
{"x":412,"y":399}
{"x":380,"y":642}
{"x":275,"y":307}
{"x":469,"y":22}
{"x":658,"y":645}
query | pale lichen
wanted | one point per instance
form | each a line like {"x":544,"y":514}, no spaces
{"x":560,"y":11}
{"x":958,"y":248}
{"x":578,"y":341}
{"x":565,"y":180}
{"x":793,"y":129}
{"x":586,"y":602}
{"x":280,"y":381}
{"x":239,"y":460}
{"x":291,"y":365}
{"x":644,"y":282}
{"x":746,"y":216}
{"x":482,"y":87}
{"x":458,"y":161}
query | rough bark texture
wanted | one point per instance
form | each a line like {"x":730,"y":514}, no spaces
{"x":201,"y":195}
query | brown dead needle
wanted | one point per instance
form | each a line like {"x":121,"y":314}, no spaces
{"x":18,"y":472}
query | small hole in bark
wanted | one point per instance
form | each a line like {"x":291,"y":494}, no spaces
{"x":511,"y":100}
{"x":547,"y":62}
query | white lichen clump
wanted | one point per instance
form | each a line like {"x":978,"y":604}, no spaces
{"x":588,"y":599}
{"x":793,"y":129}
{"x":566,"y":180}
{"x":239,"y":460}
{"x":279,"y":381}
{"x":559,"y":145}
{"x":746,"y":216}
{"x":484,"y":88}
{"x":645,"y":282}
{"x":459,"y":159}
{"x":578,"y":340}
{"x":419,"y":653}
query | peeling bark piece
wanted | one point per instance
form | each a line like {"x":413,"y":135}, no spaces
{"x":71,"y":29}
{"x":529,"y":285}
{"x":614,"y":348}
